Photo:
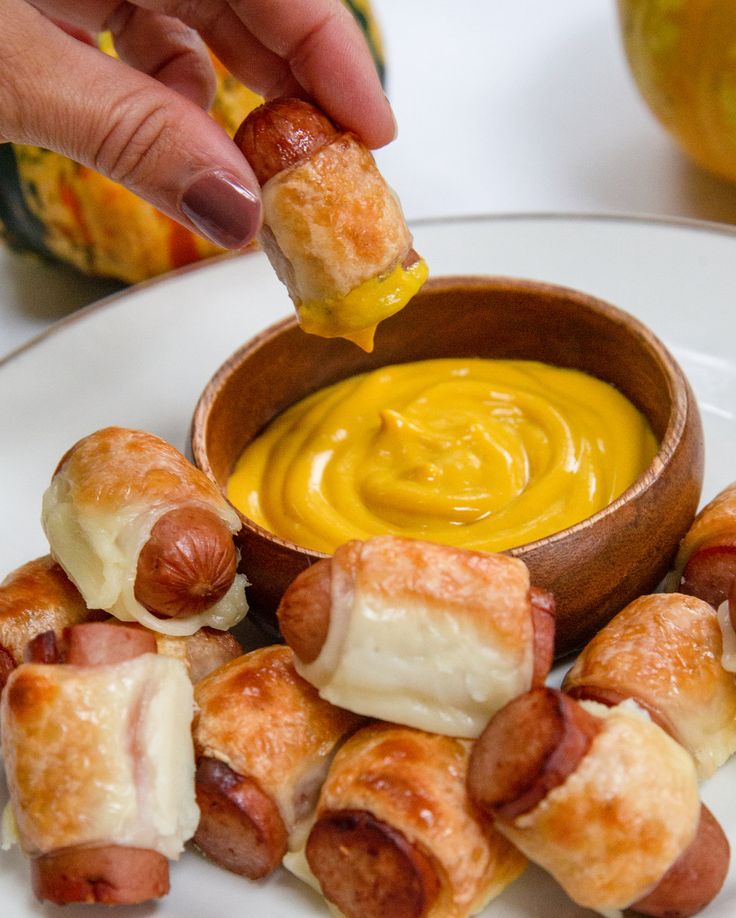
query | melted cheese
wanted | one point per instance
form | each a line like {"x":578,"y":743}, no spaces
{"x":417,"y":666}
{"x":356,"y":315}
{"x":101,"y":755}
{"x":98,"y":547}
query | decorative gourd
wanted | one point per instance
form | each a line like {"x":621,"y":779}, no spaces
{"x":682,"y":54}
{"x":58,"y":208}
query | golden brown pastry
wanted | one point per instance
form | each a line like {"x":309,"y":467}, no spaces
{"x":604,"y":800}
{"x":143,"y":534}
{"x":431,"y":636}
{"x":396,"y":835}
{"x":99,"y":763}
{"x":35,"y":598}
{"x":665,"y":652}
{"x":333,"y":229}
{"x":264,"y":740}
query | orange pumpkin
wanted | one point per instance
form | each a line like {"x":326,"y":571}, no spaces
{"x":682,"y":54}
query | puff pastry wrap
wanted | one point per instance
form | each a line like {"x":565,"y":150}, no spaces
{"x":332,"y":228}
{"x":35,"y":598}
{"x":100,"y":755}
{"x":665,"y":652}
{"x":411,"y":787}
{"x":620,"y":820}
{"x":105,"y":497}
{"x":261,"y":719}
{"x":427,"y":635}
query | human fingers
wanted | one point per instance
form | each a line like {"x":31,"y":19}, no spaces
{"x":303,"y":47}
{"x":126,"y":125}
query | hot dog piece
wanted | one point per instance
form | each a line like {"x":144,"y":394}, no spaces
{"x":201,"y":652}
{"x":333,"y":230}
{"x":241,"y":828}
{"x":187,"y":565}
{"x":264,"y":740}
{"x":83,"y":745}
{"x":35,"y":598}
{"x":665,"y":651}
{"x":144,"y":535}
{"x":695,"y":878}
{"x":706,"y":560}
{"x":370,"y":625}
{"x":396,"y":835}
{"x":282,"y":133}
{"x":606,"y":802}
{"x":367,"y":868}
{"x":535,"y":744}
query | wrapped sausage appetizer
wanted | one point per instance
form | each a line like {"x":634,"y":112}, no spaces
{"x":706,"y":561}
{"x":665,"y":652}
{"x":604,"y":800}
{"x":396,"y":835}
{"x":144,"y":534}
{"x":427,"y":635}
{"x":264,"y":740}
{"x":100,"y":767}
{"x":333,"y":229}
{"x":35,"y":598}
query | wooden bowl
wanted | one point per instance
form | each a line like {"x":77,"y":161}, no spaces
{"x":593,"y":568}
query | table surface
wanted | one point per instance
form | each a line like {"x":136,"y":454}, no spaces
{"x":504,"y":106}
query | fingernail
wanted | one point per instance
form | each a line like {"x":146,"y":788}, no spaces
{"x":222,"y":209}
{"x":393,"y":118}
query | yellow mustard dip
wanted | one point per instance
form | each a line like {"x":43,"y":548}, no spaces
{"x":486,"y":454}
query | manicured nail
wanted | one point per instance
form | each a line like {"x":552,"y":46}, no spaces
{"x":222,"y":209}
{"x":393,"y":118}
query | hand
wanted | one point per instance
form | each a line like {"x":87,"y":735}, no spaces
{"x":142,"y":120}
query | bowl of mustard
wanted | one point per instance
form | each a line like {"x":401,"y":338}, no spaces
{"x":493,"y":413}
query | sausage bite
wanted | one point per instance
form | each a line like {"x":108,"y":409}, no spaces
{"x":370,"y":625}
{"x":84,"y":745}
{"x":264,"y":740}
{"x":395,"y":834}
{"x":604,"y":800}
{"x":332,"y":228}
{"x":145,"y":535}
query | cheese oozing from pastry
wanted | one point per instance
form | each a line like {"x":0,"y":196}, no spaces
{"x":101,"y":755}
{"x":98,"y":546}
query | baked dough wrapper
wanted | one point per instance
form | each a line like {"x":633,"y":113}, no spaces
{"x":100,"y":755}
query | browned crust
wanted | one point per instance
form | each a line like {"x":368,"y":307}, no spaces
{"x":109,"y":874}
{"x":304,"y":611}
{"x":240,"y":827}
{"x":368,"y":869}
{"x":7,"y":665}
{"x":697,"y":876}
{"x":528,"y":748}
{"x":187,"y":565}
{"x":282,"y":133}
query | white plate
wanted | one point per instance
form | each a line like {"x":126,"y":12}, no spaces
{"x":141,"y":358}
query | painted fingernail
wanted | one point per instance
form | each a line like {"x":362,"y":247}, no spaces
{"x":222,"y":209}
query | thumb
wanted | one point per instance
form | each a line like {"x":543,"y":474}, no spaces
{"x":124,"y":124}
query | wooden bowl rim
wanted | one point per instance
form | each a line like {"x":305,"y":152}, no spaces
{"x":677,"y":390}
